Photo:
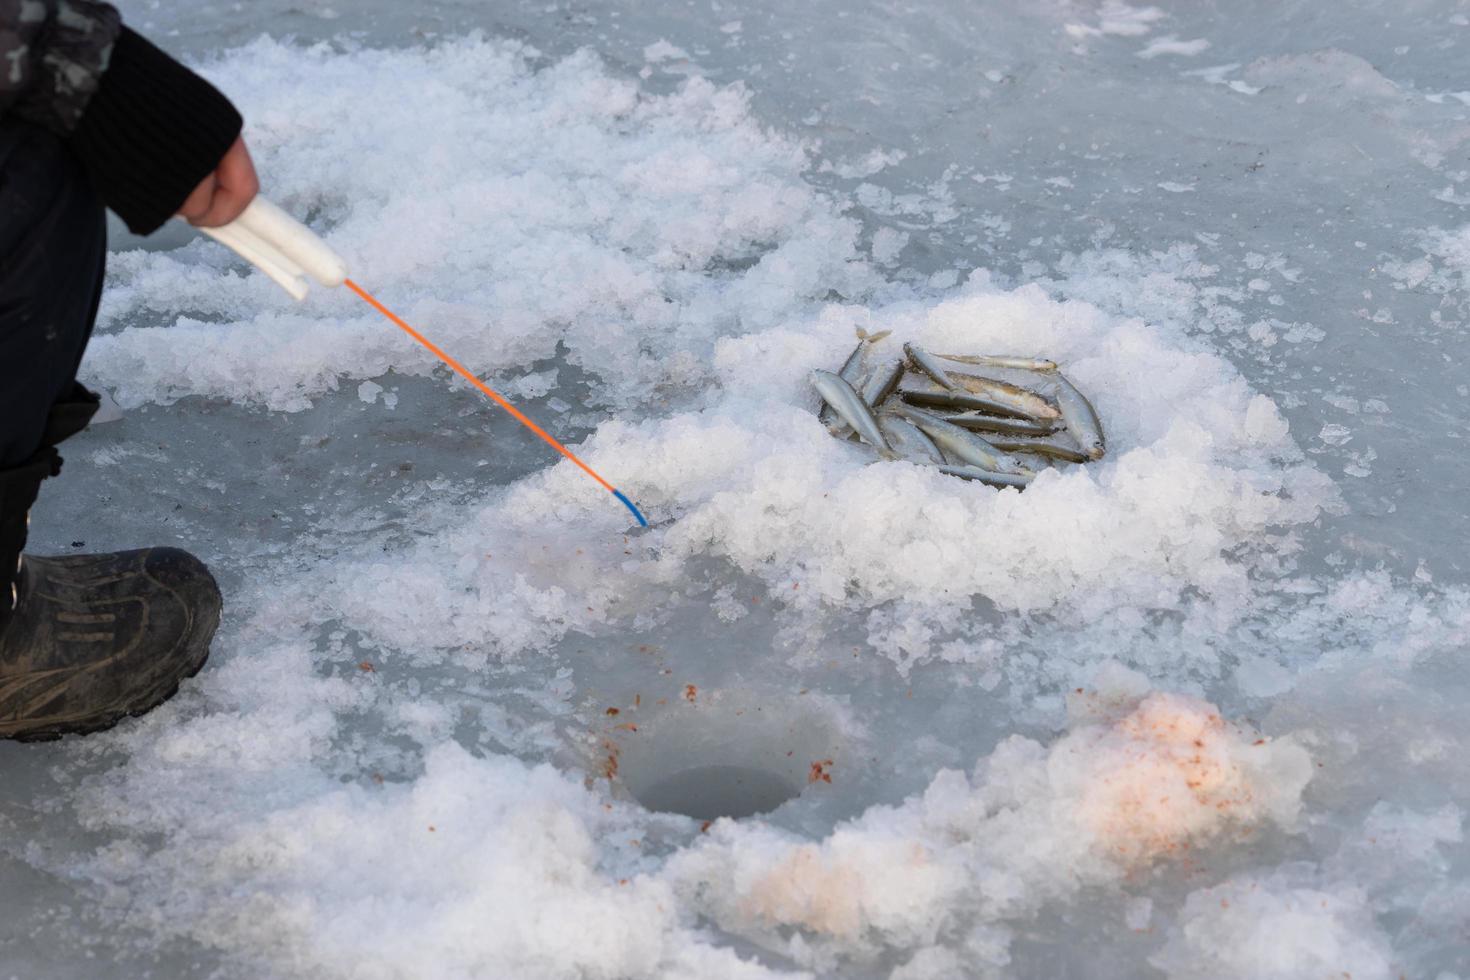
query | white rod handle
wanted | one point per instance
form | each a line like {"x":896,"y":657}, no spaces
{"x":261,"y":255}
{"x":281,"y":247}
{"x":295,"y":241}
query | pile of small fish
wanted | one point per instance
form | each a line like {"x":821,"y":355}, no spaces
{"x":996,"y":419}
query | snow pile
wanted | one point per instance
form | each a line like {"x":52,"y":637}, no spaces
{"x":673,"y":250}
{"x":1168,"y":288}
{"x":1173,"y":772}
{"x":482,"y":867}
{"x":1135,"y":781}
{"x":1200,"y":472}
{"x":1197,"y":465}
{"x":671,"y":247}
{"x":1312,"y":933}
{"x":1444,"y":268}
{"x":503,"y":209}
{"x":485,"y":865}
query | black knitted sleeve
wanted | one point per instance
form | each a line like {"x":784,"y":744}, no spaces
{"x":151,"y":132}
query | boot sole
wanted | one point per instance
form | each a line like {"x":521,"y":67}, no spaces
{"x":170,"y":572}
{"x":106,"y":722}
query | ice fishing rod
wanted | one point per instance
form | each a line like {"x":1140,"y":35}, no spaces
{"x":287,"y":251}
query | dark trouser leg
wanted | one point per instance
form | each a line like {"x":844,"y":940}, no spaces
{"x":85,"y":640}
{"x":53,"y":241}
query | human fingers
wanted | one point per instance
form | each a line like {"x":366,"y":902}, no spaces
{"x":196,"y":205}
{"x":236,"y":185}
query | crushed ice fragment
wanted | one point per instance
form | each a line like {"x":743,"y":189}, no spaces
{"x":662,"y":50}
{"x":107,"y":410}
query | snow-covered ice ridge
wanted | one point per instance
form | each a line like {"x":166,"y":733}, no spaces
{"x":635,"y":210}
{"x":1109,"y":724}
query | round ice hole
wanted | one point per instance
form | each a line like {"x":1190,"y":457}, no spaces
{"x":723,"y":753}
{"x":711,"y":792}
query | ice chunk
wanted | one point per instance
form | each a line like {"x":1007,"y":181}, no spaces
{"x":1169,"y":44}
{"x":107,"y":411}
{"x":1118,"y":18}
{"x":662,"y":50}
{"x":887,"y":244}
{"x":1262,"y":677}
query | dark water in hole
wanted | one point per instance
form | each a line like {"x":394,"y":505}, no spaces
{"x":709,"y":792}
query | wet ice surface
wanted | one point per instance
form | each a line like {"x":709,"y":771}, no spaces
{"x":1193,"y":711}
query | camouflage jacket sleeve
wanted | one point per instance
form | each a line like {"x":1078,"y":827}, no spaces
{"x":52,"y":55}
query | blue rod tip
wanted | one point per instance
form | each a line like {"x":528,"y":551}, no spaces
{"x":642,"y":521}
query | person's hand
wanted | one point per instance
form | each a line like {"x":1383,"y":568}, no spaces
{"x":222,"y":195}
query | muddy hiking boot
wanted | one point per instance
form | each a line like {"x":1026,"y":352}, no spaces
{"x":88,"y":640}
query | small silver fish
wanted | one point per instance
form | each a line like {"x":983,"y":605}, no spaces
{"x":984,"y":422}
{"x":908,"y":440}
{"x":960,"y":444}
{"x":979,"y":394}
{"x":881,"y":382}
{"x":1027,"y":400}
{"x":1003,"y":361}
{"x":852,"y":368}
{"x":994,"y":479}
{"x":851,"y":408}
{"x":1081,"y":418}
{"x":851,"y":372}
{"x":925,"y":363}
{"x":1063,"y":448}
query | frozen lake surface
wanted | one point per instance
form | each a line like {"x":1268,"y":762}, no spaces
{"x":1197,"y":710}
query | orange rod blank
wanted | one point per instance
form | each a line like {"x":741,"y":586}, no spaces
{"x":490,"y":393}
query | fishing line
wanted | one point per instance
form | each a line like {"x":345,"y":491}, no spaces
{"x":490,"y":393}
